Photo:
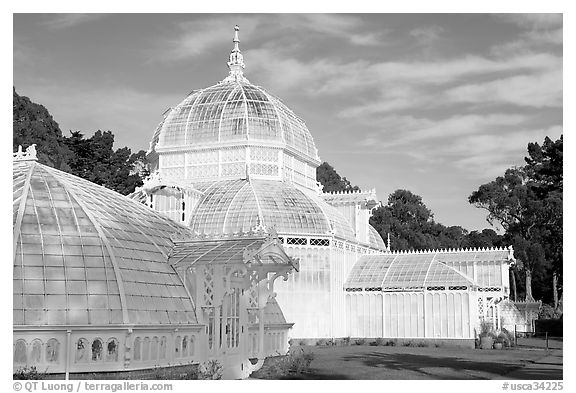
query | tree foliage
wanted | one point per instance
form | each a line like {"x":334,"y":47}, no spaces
{"x":411,"y":226}
{"x":91,"y":158}
{"x":331,"y":180}
{"x":527,"y":203}
{"x":32,"y":124}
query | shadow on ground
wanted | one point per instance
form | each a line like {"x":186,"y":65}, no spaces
{"x":431,"y":367}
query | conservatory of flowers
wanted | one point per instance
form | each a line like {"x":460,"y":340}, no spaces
{"x":186,"y":269}
{"x":103,"y":283}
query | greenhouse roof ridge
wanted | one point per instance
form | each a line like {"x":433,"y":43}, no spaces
{"x":346,"y":192}
{"x":253,"y":233}
{"x":457,"y":250}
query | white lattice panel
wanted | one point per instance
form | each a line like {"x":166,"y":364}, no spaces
{"x":264,"y":169}
{"x":203,"y":157}
{"x":233,"y":169}
{"x":299,"y":166}
{"x":176,"y":159}
{"x":263,"y":154}
{"x":173,"y":173}
{"x":202,"y":171}
{"x":233,"y":155}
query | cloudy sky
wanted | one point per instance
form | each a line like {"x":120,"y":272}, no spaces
{"x":436,"y":104}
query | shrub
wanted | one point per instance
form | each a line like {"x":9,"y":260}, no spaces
{"x":407,"y":344}
{"x":322,"y":342}
{"x":172,"y":373}
{"x":390,"y":343}
{"x":346,"y":340}
{"x":211,"y":369}
{"x":373,"y":343}
{"x":505,"y":338}
{"x":486,"y":330}
{"x":380,"y":341}
{"x":28,"y":373}
{"x":360,"y":341}
{"x":548,"y":312}
{"x":297,"y":361}
{"x":421,"y":344}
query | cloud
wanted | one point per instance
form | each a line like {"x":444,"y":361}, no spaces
{"x":329,"y":77}
{"x":406,"y":130}
{"x":490,"y":155}
{"x":426,"y":35}
{"x":334,"y":25}
{"x":554,"y":36}
{"x":533,"y":21}
{"x":483,"y":146}
{"x":62,"y":21}
{"x":196,"y":37}
{"x":537,"y":91}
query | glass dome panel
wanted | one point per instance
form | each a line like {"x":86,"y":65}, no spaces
{"x":238,"y":205}
{"x":233,"y":111}
{"x":85,"y":254}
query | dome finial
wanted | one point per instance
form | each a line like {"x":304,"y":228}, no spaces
{"x":236,"y":61}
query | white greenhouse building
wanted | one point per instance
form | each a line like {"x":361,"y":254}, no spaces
{"x":187,"y":269}
{"x":232,"y":156}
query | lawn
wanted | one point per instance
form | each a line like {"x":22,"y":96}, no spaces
{"x":387,"y":362}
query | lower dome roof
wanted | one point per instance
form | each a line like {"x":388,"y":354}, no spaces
{"x":238,"y":205}
{"x":86,"y":255}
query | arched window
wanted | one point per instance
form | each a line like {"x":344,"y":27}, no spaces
{"x":163,"y":347}
{"x":112,"y":350}
{"x":36,"y":353}
{"x":146,"y":349}
{"x":82,"y":350}
{"x":52,"y":348}
{"x":177,"y":344}
{"x":137,"y":348}
{"x":96,"y":350}
{"x":191,"y":346}
{"x":185,"y":347}
{"x":20,"y":351}
{"x":154,"y":348}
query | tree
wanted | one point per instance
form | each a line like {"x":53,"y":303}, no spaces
{"x":94,"y":159}
{"x":544,"y":166}
{"x":411,"y":226}
{"x":527,"y":203}
{"x":32,"y":124}
{"x":408,"y":221}
{"x":331,"y":180}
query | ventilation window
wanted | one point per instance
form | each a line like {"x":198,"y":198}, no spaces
{"x":435,"y":288}
{"x":96,"y":350}
{"x":297,"y":241}
{"x":112,"y":350}
{"x":320,"y":242}
{"x":52,"y":347}
{"x":489,"y":289}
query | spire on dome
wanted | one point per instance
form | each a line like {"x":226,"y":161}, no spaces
{"x":236,"y":61}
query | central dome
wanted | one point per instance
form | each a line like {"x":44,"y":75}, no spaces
{"x":234,"y":111}
{"x":231,"y":130}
